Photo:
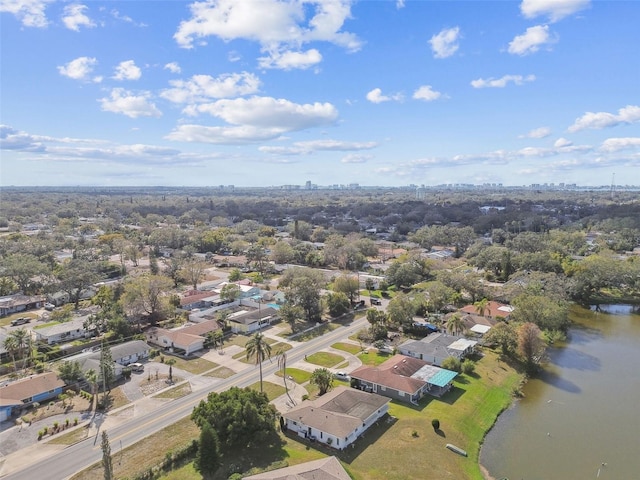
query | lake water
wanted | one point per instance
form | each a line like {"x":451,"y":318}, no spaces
{"x":582,"y":412}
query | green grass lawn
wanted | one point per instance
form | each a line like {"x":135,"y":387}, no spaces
{"x":325,"y":359}
{"x":272,"y":390}
{"x":299,"y":376}
{"x":195,"y":365}
{"x":347,"y":347}
{"x":175,"y":392}
{"x":373,"y":358}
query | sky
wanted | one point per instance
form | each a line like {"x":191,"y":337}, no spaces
{"x":262,"y":93}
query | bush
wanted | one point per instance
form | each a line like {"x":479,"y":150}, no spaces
{"x":468,"y":367}
{"x":451,"y":363}
{"x":414,"y":434}
{"x":435,"y":423}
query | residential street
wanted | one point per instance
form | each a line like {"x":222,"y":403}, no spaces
{"x":148,"y":416}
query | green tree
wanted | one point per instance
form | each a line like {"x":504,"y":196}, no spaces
{"x":23,"y":268}
{"x":337,"y":303}
{"x":70,"y":372}
{"x":208,"y":459}
{"x":107,"y":370}
{"x":18,"y":344}
{"x":281,"y":354}
{"x":91,"y":376}
{"x":455,"y":324}
{"x":291,"y":314}
{"x":368,"y":284}
{"x":76,"y":275}
{"x":230,"y":292}
{"x":452,"y":363}
{"x":282,"y":253}
{"x":171,"y":362}
{"x":302,"y":288}
{"x":258,"y":349}
{"x":504,"y":336}
{"x":323,"y":379}
{"x":401,"y":310}
{"x":193,"y":271}
{"x":347,"y":284}
{"x":541,"y":310}
{"x":481,"y":306}
{"x":107,"y":462}
{"x":240,"y":417}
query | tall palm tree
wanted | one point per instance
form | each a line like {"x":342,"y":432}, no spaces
{"x":11,"y":346}
{"x":455,"y":324}
{"x":259,"y":349}
{"x":482,"y":306}
{"x":17,"y":342}
{"x":282,"y":365}
{"x":91,"y":376}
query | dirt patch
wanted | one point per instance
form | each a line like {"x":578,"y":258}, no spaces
{"x":149,"y":387}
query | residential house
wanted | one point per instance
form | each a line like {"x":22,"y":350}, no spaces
{"x":189,"y":338}
{"x":26,"y":391}
{"x":249,"y":321}
{"x":197,"y":299}
{"x":494,"y":311}
{"x":338,"y":417}
{"x":19,"y":303}
{"x":436,"y":347}
{"x":328,"y":468}
{"x":403,"y":378}
{"x":62,"y":332}
{"x":130,"y":352}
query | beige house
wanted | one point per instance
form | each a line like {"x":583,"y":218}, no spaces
{"x":328,"y":468}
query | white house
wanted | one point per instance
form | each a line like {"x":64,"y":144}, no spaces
{"x":248,"y":321}
{"x":61,"y":332}
{"x":338,"y":417}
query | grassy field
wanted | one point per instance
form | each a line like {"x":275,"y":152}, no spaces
{"x":272,"y":390}
{"x":221,"y":372}
{"x":299,"y":376}
{"x":325,"y":359}
{"x":194,"y":365}
{"x":347,"y":347}
{"x":175,"y":392}
{"x":373,"y":358}
{"x":404,"y":447}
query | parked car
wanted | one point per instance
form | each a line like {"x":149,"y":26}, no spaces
{"x":20,"y":321}
{"x":136,"y":367}
{"x":49,"y":306}
{"x":376,"y":301}
{"x":342,"y":376}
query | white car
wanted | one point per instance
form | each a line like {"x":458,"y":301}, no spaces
{"x":342,"y":376}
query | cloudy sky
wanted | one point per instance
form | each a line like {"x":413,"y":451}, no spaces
{"x":273,"y":92}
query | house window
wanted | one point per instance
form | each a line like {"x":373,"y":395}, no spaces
{"x":401,"y":394}
{"x":382,"y":388}
{"x":321,"y":435}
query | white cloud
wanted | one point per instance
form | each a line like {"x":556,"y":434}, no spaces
{"x":562,"y":142}
{"x":173,"y":67}
{"x":554,"y":9}
{"x":627,"y":115}
{"x":502,"y":81}
{"x":126,"y":103}
{"x":530,"y":41}
{"x":277,"y":25}
{"x":426,"y":93}
{"x":289,"y":60}
{"x":399,"y":4}
{"x":445,"y":43}
{"x":356,"y":158}
{"x":540,"y":132}
{"x":376,"y":96}
{"x":223,"y":135}
{"x":29,"y":12}
{"x":201,"y":88}
{"x":127,"y":70}
{"x":125,"y":18}
{"x":307,"y":147}
{"x":616,"y":144}
{"x":79,"y":69}
{"x":268,"y":112}
{"x":74,"y":17}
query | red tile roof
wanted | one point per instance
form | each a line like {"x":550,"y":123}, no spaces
{"x":394,"y":373}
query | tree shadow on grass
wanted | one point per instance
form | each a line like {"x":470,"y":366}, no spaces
{"x":440,"y":433}
{"x":258,"y":457}
{"x":452,"y":396}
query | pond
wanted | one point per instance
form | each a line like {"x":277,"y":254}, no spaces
{"x":579,"y":419}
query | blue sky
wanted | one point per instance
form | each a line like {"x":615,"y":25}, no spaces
{"x":273,"y":92}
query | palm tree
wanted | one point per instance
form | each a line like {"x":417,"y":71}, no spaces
{"x":16,"y":343}
{"x":482,"y":306}
{"x":455,"y":324}
{"x":259,"y":349}
{"x":92,"y":379}
{"x":323,"y":379}
{"x":171,"y":362}
{"x":282,"y":365}
{"x":11,"y":346}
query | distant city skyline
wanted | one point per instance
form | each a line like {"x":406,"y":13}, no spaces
{"x":274,"y":93}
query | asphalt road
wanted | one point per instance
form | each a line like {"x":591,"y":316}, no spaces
{"x":74,"y":458}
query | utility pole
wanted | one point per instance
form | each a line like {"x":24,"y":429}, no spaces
{"x":613,"y":185}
